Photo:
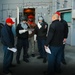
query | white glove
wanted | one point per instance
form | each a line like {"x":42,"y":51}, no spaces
{"x":22,"y":31}
{"x":35,"y":37}
{"x":39,"y":26}
{"x":30,"y":32}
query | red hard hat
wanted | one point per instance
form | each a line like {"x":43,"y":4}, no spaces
{"x":58,"y":13}
{"x":30,"y":17}
{"x":9,"y":20}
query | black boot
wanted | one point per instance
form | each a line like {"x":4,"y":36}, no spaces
{"x":26,"y":60}
{"x":44,"y":60}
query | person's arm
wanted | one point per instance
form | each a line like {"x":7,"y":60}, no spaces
{"x":66,"y":30}
{"x":50,"y":34}
{"x":36,"y":30}
{"x":45,"y":27}
{"x":5,"y":38}
{"x":17,"y":30}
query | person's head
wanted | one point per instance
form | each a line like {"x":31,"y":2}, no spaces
{"x":24,"y":19}
{"x":9,"y":22}
{"x":59,"y":14}
{"x":40,"y":19}
{"x":55,"y":17}
{"x":31,"y":18}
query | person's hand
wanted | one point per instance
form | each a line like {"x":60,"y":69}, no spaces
{"x":45,"y":47}
{"x":35,"y":38}
{"x":45,"y":26}
{"x":30,"y":32}
{"x":64,"y":41}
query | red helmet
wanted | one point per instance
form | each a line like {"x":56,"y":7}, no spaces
{"x":9,"y":20}
{"x":30,"y":17}
{"x":58,"y":13}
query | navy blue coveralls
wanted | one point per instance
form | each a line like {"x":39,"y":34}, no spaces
{"x":55,"y":42}
{"x":22,"y":42}
{"x":41,"y":38}
{"x":7,"y":39}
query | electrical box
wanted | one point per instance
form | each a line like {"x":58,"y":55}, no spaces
{"x":73,"y":14}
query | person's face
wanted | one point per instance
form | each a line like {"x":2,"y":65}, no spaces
{"x":40,"y":21}
{"x":59,"y":18}
{"x":55,"y":17}
{"x":31,"y":20}
{"x":9,"y":24}
{"x":24,"y":22}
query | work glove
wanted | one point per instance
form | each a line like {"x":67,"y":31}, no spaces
{"x":35,"y":37}
{"x":30,"y":32}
